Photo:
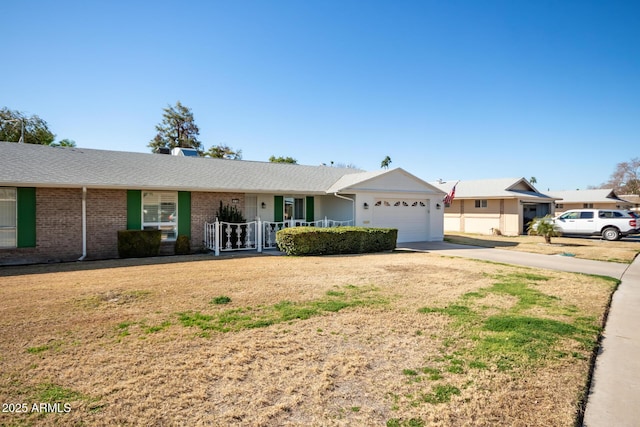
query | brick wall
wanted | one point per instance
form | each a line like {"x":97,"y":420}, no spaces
{"x":106,"y":214}
{"x":58,"y":228}
{"x":203,"y":209}
{"x":59,"y":223}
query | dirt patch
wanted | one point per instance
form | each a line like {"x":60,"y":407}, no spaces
{"x":106,"y":339}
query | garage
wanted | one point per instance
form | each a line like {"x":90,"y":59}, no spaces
{"x":409,"y":216}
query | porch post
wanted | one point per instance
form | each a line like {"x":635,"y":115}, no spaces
{"x":259,"y":235}
{"x":217,"y":237}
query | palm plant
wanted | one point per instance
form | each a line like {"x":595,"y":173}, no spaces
{"x":544,"y":227}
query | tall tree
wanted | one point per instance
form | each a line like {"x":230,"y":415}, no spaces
{"x":224,"y":152}
{"x":178,"y":129}
{"x":274,"y":159}
{"x":625,"y":179}
{"x":36,"y":130}
{"x":385,"y":162}
{"x":533,"y":180}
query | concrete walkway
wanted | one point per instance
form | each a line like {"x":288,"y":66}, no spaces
{"x":614,"y":397}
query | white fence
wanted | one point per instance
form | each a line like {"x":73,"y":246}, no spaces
{"x":255,"y":235}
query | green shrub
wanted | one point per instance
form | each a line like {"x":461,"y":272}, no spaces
{"x":138,"y":243}
{"x":228,"y":213}
{"x":183,"y":245}
{"x":338,"y":240}
{"x":233,"y":215}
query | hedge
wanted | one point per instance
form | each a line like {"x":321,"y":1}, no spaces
{"x":338,"y":240}
{"x":138,"y":243}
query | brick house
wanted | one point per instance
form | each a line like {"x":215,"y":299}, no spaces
{"x":62,"y":204}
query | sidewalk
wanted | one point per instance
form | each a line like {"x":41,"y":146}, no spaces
{"x":614,"y":396}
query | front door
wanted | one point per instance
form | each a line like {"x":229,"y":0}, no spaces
{"x":528,"y":214}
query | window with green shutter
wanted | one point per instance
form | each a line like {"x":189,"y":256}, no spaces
{"x":184,"y":213}
{"x":309,"y":213}
{"x":134,"y":210}
{"x":26,"y":217}
{"x":17,"y":217}
{"x":278,"y":208}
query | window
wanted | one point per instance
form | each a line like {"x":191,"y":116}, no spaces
{"x":586,"y":215}
{"x":587,"y":205}
{"x":570,"y":215}
{"x":160,"y":212}
{"x":481,"y":203}
{"x":559,"y":205}
{"x":610,"y":214}
{"x":8,"y":218}
{"x":293,"y":208}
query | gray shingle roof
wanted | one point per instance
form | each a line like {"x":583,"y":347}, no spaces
{"x":501,"y":188}
{"x":37,"y":165}
{"x":587,"y":196}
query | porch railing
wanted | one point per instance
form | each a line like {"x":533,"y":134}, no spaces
{"x":255,"y":235}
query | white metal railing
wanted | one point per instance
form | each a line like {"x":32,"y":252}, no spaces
{"x":254,"y":235}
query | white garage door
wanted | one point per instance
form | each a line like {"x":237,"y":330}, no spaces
{"x":409,"y":216}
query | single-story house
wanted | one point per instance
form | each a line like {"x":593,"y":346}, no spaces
{"x":68,"y":203}
{"x":634,"y":201}
{"x":588,"y":199}
{"x":491,"y":206}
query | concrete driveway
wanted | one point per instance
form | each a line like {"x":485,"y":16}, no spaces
{"x":614,"y":396}
{"x":552,"y":262}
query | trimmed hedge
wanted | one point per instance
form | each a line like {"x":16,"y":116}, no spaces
{"x":338,"y":240}
{"x":138,"y":243}
{"x":182,"y":245}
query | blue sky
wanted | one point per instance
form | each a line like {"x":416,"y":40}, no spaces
{"x":448,"y":89}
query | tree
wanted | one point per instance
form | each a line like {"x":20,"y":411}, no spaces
{"x":533,"y":180}
{"x":15,"y":125}
{"x":224,"y":152}
{"x":625,"y":179}
{"x":385,"y":163}
{"x":64,"y":143}
{"x":544,"y":227}
{"x":177,"y":129}
{"x":274,"y":159}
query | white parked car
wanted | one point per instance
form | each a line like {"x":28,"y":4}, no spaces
{"x":611,"y":224}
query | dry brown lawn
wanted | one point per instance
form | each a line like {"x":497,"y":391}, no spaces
{"x":581,"y":247}
{"x":106,"y":338}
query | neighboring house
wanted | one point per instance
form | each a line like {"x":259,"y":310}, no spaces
{"x":68,"y":203}
{"x":633,"y":199}
{"x":492,"y":206}
{"x":588,"y":199}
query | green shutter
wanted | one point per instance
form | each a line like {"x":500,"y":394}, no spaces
{"x":184,"y":213}
{"x":309,"y":214}
{"x":278,"y":208}
{"x":134,"y":210}
{"x":26,"y":217}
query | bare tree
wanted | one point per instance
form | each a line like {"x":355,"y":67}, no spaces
{"x":625,"y":179}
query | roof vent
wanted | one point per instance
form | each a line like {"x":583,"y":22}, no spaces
{"x":186,"y":152}
{"x":163,"y":150}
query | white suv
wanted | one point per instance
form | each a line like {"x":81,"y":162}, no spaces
{"x":611,"y":224}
